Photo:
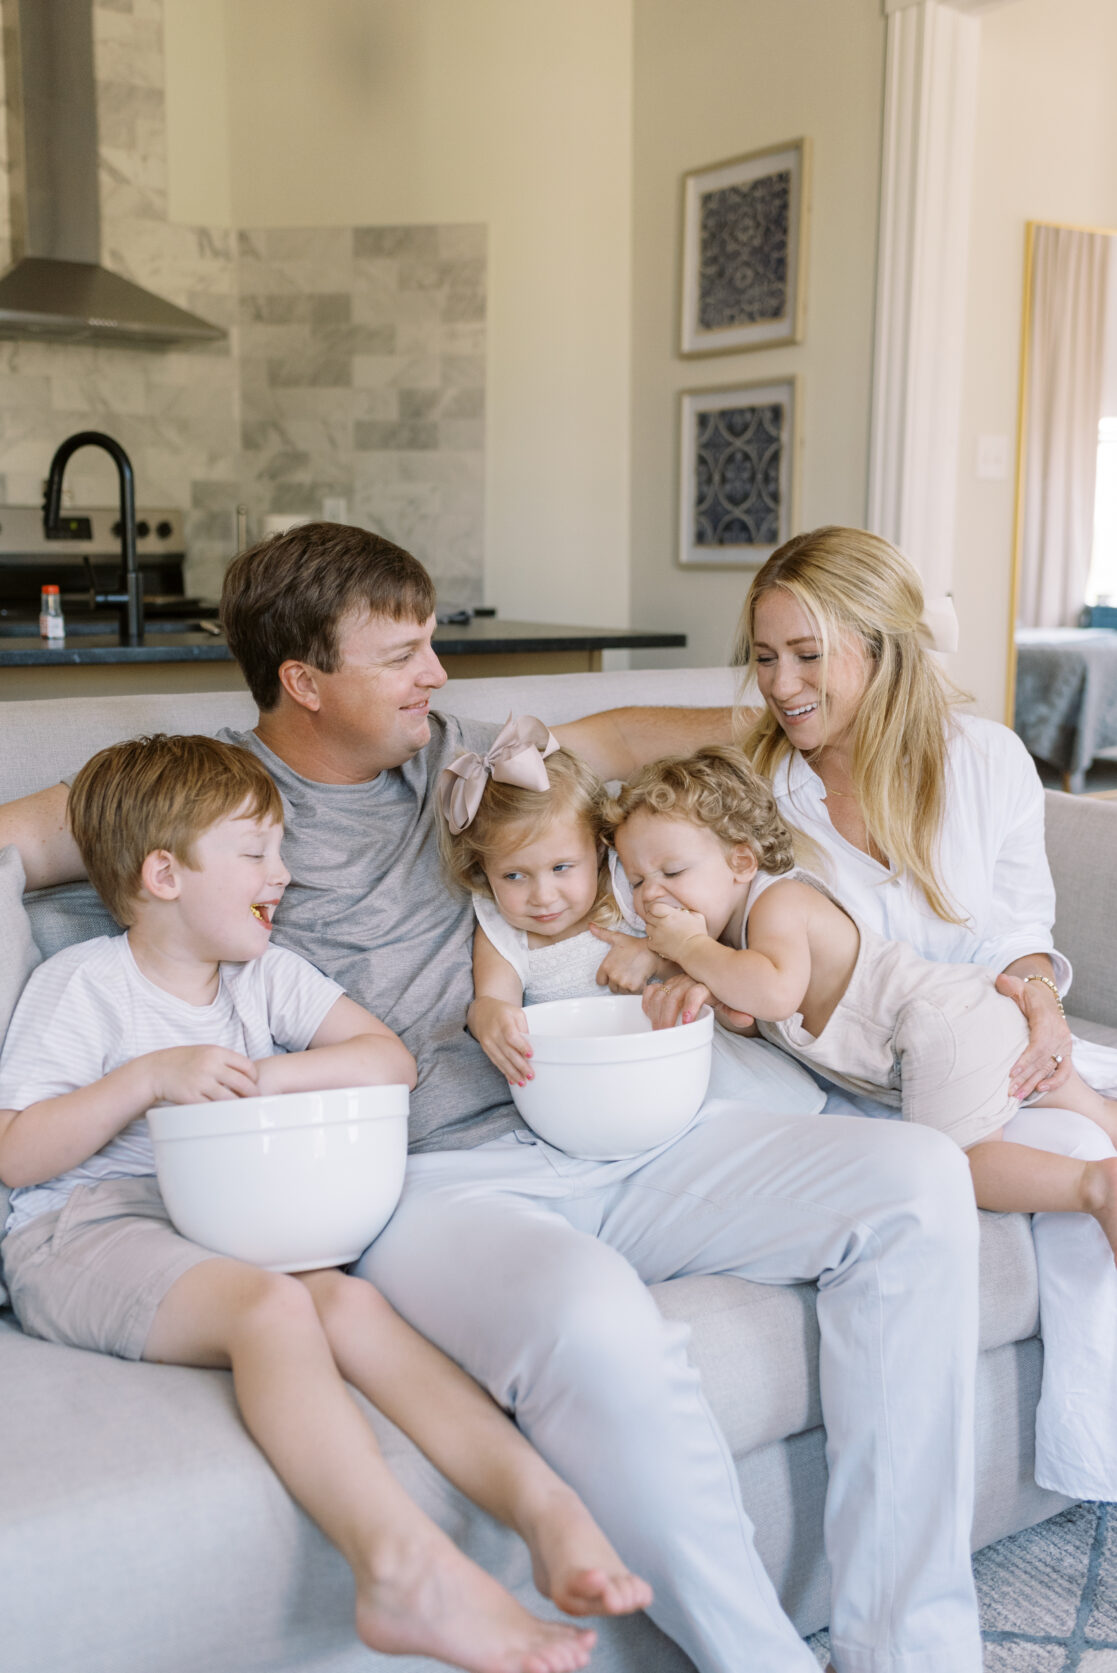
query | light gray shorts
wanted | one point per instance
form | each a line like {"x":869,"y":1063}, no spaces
{"x":92,"y":1274}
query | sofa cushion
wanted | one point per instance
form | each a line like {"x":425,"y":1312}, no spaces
{"x":1085,"y":896}
{"x":142,"y":1530}
{"x":772,"y":1391}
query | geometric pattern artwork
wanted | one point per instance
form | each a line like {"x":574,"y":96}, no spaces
{"x":1047,"y":1597}
{"x":744,"y":251}
{"x":736,"y":473}
{"x":742,"y":271}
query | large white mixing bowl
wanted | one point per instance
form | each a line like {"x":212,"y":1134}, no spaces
{"x":291,"y":1182}
{"x":605,"y":1085}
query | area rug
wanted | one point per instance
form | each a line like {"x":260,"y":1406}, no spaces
{"x":1048,"y":1596}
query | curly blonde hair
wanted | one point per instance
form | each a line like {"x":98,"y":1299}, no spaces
{"x":716,"y":789}
{"x":851,"y":583}
{"x":510,"y":817}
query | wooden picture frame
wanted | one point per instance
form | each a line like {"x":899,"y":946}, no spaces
{"x":744,"y":251}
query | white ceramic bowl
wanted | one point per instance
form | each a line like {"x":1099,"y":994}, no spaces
{"x":291,"y":1182}
{"x":605,"y":1085}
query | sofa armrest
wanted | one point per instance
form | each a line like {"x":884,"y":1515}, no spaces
{"x":1081,"y":835}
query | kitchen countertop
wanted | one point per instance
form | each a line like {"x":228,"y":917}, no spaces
{"x":484,"y":636}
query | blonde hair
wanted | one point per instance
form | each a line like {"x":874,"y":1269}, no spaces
{"x":159,"y":792}
{"x":717,"y":789}
{"x":513,"y":817}
{"x":854,"y":584}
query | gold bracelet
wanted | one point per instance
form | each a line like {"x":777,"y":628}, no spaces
{"x":1048,"y":983}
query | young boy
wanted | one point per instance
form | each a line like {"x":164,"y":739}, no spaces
{"x":181,"y":836}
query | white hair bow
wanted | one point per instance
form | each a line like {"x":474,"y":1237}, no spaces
{"x":516,"y":757}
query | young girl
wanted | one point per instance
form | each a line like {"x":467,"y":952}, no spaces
{"x":712,"y":869}
{"x":528,"y":841}
{"x":524,"y":829}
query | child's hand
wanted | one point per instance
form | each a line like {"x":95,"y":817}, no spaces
{"x":628,"y":963}
{"x":200,"y":1075}
{"x":501,"y":1031}
{"x":670,"y":928}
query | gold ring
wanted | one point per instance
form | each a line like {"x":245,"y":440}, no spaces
{"x":1056,"y":1058}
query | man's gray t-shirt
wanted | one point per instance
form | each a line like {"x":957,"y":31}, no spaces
{"x":368,"y":904}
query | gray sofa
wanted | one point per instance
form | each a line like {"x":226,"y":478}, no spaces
{"x":140,"y":1530}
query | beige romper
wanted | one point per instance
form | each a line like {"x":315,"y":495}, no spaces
{"x":935,"y":1040}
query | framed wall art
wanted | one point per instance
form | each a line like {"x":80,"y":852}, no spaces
{"x":745,"y":251}
{"x":737,"y":471}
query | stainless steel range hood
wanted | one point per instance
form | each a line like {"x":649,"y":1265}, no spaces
{"x":58,"y":289}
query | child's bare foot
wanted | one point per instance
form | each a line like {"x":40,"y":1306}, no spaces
{"x":427,"y":1598}
{"x":1099,"y":1189}
{"x":574,"y":1564}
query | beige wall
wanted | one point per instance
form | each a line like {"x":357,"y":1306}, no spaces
{"x":1046,"y":150}
{"x":516,"y":113}
{"x":713,"y":80}
{"x":199,"y":165}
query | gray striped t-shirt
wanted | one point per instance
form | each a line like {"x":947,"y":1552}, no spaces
{"x":369,"y":905}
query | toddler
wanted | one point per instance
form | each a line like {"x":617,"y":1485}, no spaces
{"x":711,"y":865}
{"x":524,"y":828}
{"x":181,"y":837}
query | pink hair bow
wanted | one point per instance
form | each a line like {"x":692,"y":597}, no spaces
{"x":516,"y":757}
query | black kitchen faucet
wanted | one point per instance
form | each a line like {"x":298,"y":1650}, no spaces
{"x":131,"y":601}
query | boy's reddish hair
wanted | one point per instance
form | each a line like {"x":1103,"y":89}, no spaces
{"x":162,"y":791}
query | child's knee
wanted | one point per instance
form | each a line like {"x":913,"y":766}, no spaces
{"x":347,"y":1305}
{"x":274,"y":1301}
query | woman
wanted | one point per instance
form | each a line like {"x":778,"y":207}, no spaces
{"x":929,"y":823}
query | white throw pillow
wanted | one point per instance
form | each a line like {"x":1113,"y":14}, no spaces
{"x":20,"y":957}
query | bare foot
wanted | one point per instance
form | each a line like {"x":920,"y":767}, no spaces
{"x":574,"y":1564}
{"x":427,"y":1598}
{"x":1099,"y":1190}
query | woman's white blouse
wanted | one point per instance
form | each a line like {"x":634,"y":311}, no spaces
{"x":991,"y":858}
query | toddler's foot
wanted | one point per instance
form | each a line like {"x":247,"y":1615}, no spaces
{"x":1099,"y":1186}
{"x":574,"y":1564}
{"x":427,"y":1598}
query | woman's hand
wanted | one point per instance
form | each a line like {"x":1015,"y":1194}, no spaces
{"x":501,"y":1031}
{"x":679,"y":999}
{"x":629,"y":962}
{"x":1048,"y":1037}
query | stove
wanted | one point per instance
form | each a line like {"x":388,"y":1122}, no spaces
{"x":85,"y":558}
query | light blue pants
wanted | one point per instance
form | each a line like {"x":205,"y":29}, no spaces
{"x":529,"y":1268}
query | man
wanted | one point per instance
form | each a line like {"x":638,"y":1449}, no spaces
{"x":530,"y":1268}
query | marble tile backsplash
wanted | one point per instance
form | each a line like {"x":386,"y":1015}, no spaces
{"x":354,"y":368}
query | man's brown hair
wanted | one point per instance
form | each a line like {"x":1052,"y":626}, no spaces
{"x":283,"y":599}
{"x":159,"y":792}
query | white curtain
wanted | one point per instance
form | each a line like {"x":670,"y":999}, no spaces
{"x":1065,"y":368}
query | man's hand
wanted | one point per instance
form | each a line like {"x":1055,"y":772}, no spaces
{"x":199,"y":1075}
{"x":672,"y":928}
{"x":501,"y":1031}
{"x":628,"y":963}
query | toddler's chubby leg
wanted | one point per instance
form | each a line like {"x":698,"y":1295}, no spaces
{"x":417,"y":1594}
{"x":1014,"y":1178}
{"x":467,"y":1436}
{"x":1075,"y":1095}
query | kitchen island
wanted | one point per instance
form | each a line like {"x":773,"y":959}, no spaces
{"x":96,"y":665}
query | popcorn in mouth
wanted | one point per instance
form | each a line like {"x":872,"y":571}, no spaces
{"x":260,"y":912}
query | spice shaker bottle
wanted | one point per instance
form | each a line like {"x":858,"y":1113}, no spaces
{"x":52,"y":624}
